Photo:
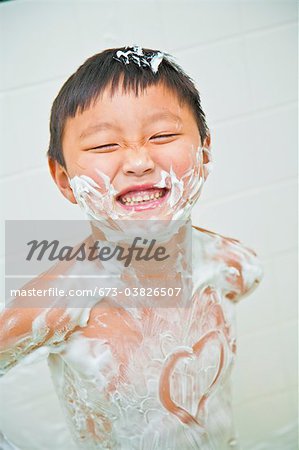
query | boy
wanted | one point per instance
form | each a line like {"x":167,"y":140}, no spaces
{"x":129,"y":144}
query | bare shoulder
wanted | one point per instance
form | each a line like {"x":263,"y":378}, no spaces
{"x":239,"y":267}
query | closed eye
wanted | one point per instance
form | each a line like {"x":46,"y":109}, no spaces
{"x":105,"y":147}
{"x":163,"y":136}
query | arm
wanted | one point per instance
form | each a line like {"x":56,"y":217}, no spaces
{"x":236,"y":268}
{"x":24,"y":330}
{"x":243,"y":269}
{"x":30,"y":323}
{"x":44,"y":323}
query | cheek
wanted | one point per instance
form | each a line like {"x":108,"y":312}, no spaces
{"x":181,"y":157}
{"x":100,"y":168}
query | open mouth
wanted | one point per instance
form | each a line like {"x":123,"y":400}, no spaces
{"x":143,"y":199}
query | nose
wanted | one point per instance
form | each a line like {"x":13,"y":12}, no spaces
{"x":137,"y":162}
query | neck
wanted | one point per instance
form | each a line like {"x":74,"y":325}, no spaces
{"x":152,"y":255}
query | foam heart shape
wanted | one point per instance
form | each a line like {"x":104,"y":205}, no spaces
{"x":170,"y":365}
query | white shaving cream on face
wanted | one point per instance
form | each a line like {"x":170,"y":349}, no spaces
{"x":100,"y":204}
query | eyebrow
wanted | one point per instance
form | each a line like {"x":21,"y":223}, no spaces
{"x":152,"y":118}
{"x":97,"y":127}
{"x":163,"y":115}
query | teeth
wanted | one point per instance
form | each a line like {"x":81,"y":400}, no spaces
{"x":144,"y":198}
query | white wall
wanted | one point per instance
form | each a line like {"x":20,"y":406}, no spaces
{"x":243,"y":56}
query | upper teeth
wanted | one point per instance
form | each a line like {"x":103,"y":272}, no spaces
{"x":141,"y":198}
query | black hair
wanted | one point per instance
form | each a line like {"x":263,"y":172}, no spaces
{"x":106,"y":69}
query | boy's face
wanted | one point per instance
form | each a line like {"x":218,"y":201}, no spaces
{"x":131,"y":140}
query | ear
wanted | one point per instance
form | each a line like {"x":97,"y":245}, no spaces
{"x":60,"y":176}
{"x":207,"y":156}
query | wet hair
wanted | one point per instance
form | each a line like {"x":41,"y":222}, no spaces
{"x":105,"y":70}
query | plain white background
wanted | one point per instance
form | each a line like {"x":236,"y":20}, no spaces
{"x":242,"y":55}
